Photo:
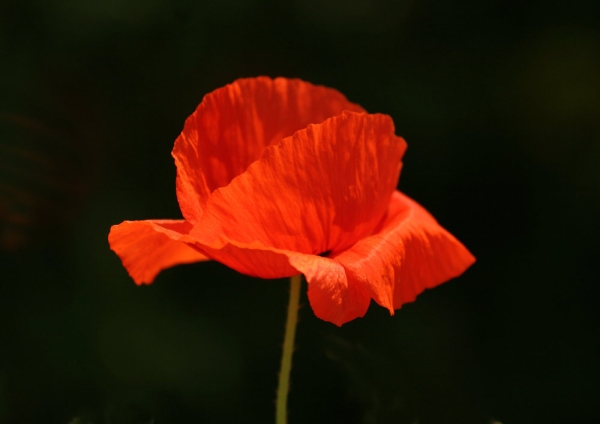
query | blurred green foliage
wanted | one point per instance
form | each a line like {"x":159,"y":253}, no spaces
{"x":500,"y":105}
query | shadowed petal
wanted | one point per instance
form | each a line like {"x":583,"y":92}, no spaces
{"x":233,"y":125}
{"x":322,"y":189}
{"x":252,"y":259}
{"x":410,"y":253}
{"x":148,"y":247}
{"x":332,"y":297}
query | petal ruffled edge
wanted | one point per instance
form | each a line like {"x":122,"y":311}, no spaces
{"x":410,"y":253}
{"x":332,"y":295}
{"x":148,"y":247}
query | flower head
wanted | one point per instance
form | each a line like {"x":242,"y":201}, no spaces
{"x":281,"y":177}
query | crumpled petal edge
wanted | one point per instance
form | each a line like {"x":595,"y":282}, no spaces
{"x":148,"y":247}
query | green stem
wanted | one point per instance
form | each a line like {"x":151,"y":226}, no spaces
{"x":288,"y":349}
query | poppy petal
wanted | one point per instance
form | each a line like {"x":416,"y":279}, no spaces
{"x":321,"y":190}
{"x":252,"y":259}
{"x":234,"y":124}
{"x":410,"y":253}
{"x":148,"y":247}
{"x":331,"y":296}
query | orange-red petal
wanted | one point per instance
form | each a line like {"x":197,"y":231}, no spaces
{"x":321,"y":190}
{"x":332,"y":295}
{"x":252,"y":259}
{"x":234,"y":124}
{"x":148,"y":247}
{"x":410,"y":253}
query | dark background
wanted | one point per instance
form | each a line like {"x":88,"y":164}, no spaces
{"x":500,"y":105}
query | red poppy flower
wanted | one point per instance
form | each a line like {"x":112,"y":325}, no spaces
{"x":281,"y":177}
